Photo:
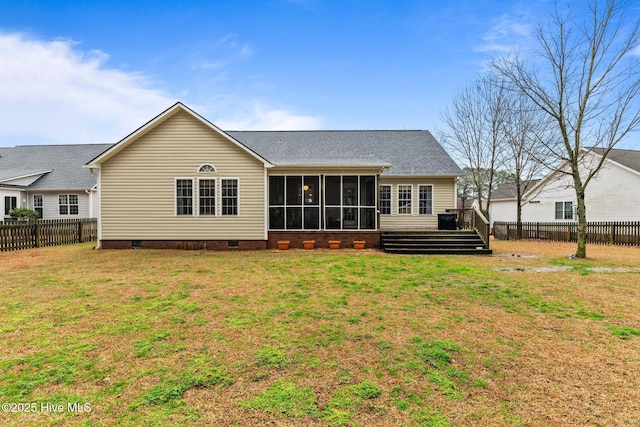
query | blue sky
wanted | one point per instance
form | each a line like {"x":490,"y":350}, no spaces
{"x":94,"y":71}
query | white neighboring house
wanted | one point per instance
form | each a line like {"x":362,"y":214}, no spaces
{"x":49,"y":179}
{"x":612,"y":195}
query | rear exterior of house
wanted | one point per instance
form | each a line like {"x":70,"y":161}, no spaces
{"x":180,"y":182}
{"x":415,"y":201}
{"x":183,"y":182}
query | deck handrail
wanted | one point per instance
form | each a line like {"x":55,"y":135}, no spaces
{"x":480,"y":223}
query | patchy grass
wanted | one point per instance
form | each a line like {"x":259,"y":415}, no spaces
{"x":326,"y":338}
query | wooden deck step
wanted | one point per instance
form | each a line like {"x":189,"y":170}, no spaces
{"x":433,"y":242}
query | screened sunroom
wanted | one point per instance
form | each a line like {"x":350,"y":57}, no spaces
{"x":323,"y":202}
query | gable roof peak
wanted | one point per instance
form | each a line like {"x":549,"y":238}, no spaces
{"x":156,"y":121}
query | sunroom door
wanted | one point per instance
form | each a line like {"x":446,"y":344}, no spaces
{"x":350,"y":203}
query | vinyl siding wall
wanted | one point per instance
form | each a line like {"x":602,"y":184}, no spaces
{"x":612,"y":195}
{"x":51,"y":208}
{"x":443,"y":199}
{"x":138,"y":185}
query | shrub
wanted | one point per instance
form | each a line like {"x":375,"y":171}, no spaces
{"x":23,"y":214}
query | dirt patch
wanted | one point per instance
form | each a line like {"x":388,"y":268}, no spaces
{"x":511,"y":255}
{"x":556,"y":269}
{"x":534,"y":269}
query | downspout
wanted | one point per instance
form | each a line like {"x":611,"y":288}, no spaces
{"x":266,"y":206}
{"x":99,"y":193}
{"x":90,"y":194}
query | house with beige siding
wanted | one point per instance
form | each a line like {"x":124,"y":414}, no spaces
{"x":49,"y":179}
{"x":181,"y":182}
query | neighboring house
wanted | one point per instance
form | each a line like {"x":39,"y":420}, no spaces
{"x":612,"y":195}
{"x":179,"y":181}
{"x":49,"y":179}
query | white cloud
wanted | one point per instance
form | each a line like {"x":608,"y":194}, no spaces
{"x":506,"y":32}
{"x":52,"y":92}
{"x":255,"y":116}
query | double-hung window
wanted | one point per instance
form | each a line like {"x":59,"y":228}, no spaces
{"x":425,"y":200}
{"x":10,"y":203}
{"x":207,"y":197}
{"x":38,"y":204}
{"x":404,"y":199}
{"x":230,"y":196}
{"x":211,"y":197}
{"x":68,"y":204}
{"x":564,"y":210}
{"x":184,"y":196}
{"x":385,"y":200}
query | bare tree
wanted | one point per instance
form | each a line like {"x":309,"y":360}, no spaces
{"x":525,"y":135}
{"x":474,"y":123}
{"x":586,"y":78}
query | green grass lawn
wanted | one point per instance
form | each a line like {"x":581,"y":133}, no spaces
{"x":327,"y":338}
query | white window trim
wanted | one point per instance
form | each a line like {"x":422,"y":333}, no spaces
{"x":175,"y":196}
{"x":215,"y":198}
{"x":411,"y":200}
{"x":207,"y":164}
{"x":18,"y":199}
{"x":33,"y":200}
{"x":390,"y":198}
{"x":432,"y":197}
{"x":69,"y":204}
{"x":220,"y":197}
{"x":564,"y":212}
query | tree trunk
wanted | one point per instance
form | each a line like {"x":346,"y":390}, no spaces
{"x":581,"y":251}
{"x":518,"y":210}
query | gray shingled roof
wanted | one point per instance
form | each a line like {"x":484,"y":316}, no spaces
{"x":406,"y":152}
{"x":628,"y":158}
{"x":409,"y":152}
{"x":508,"y":191}
{"x":64,"y":161}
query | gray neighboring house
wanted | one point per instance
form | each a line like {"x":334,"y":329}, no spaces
{"x":49,"y":179}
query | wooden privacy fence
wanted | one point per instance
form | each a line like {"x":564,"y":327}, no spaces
{"x":612,"y":233}
{"x":46,"y":232}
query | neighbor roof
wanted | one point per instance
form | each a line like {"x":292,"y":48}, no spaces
{"x":628,"y":158}
{"x":60,"y":165}
{"x":404,"y":152}
{"x":508,"y":191}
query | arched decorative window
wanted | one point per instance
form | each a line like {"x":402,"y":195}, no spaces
{"x":207,"y":168}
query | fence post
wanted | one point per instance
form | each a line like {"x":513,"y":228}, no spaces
{"x":612,"y":234}
{"x":37,"y":234}
{"x":80,"y":231}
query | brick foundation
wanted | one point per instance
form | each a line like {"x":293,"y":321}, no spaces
{"x":322,"y":238}
{"x":213,"y":245}
{"x":372,"y":239}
